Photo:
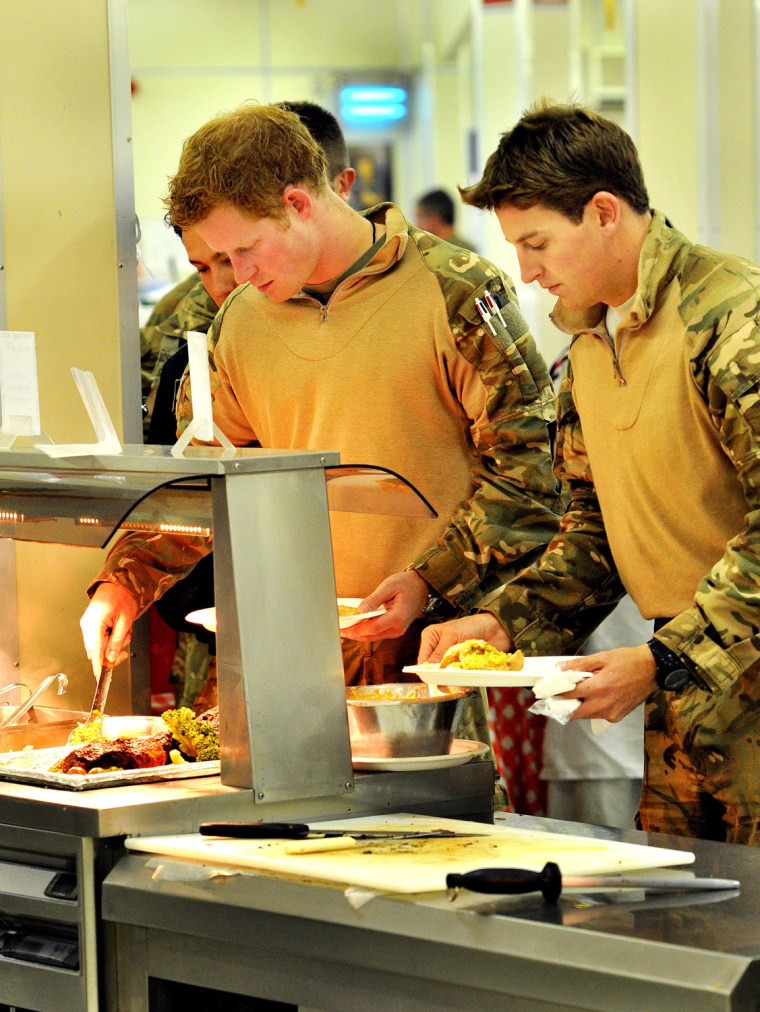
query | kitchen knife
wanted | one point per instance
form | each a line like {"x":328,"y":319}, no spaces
{"x":300,"y":831}
{"x":550,"y":882}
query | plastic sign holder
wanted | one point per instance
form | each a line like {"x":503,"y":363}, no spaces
{"x":202,"y":426}
{"x":19,"y":396}
{"x":108,"y":441}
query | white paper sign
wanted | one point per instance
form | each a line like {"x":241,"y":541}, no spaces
{"x":19,"y":394}
{"x":202,"y":425}
{"x":200,"y":383}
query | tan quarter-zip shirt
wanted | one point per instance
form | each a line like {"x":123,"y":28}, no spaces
{"x":669,"y":494}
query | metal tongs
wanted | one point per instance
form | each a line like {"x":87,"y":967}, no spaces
{"x":18,"y":713}
{"x":98,"y":702}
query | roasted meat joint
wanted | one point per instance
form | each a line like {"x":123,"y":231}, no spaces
{"x":178,"y":737}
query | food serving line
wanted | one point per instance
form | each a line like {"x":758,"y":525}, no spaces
{"x":88,"y":918}
{"x":283,"y":722}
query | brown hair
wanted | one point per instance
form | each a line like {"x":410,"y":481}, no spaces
{"x":246,"y":158}
{"x":560,"y":156}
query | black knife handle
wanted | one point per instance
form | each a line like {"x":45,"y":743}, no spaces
{"x":255,"y":830}
{"x":509,"y":881}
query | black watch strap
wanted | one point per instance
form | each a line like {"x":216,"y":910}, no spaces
{"x":672,"y":674}
{"x":438,"y":607}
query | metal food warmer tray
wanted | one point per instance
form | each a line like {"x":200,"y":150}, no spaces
{"x":267,"y":513}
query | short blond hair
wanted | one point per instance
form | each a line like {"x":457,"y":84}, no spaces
{"x":247,"y":159}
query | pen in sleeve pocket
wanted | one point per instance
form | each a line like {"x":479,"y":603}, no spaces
{"x":481,"y":308}
{"x":493,"y":305}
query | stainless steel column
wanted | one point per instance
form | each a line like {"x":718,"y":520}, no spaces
{"x":280,"y":670}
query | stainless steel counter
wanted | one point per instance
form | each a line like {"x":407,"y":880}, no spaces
{"x":305,"y":944}
{"x":47,"y":832}
{"x":179,"y":806}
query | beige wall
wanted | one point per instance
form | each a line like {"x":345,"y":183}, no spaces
{"x":62,"y":280}
{"x":671,"y":101}
{"x":58,"y":203}
{"x":737,"y":130}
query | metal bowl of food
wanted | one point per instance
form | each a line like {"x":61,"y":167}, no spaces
{"x":401,"y":720}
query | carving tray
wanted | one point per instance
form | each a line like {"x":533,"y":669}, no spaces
{"x":33,"y":767}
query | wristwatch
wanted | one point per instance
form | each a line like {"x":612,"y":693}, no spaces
{"x":672,"y":674}
{"x":438,"y":607}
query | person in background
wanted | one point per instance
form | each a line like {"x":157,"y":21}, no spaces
{"x":658,"y":439}
{"x":326,"y":131}
{"x":165,"y":334}
{"x":596,"y":778}
{"x":192,"y":306}
{"x":358,"y":332}
{"x":435,"y":214}
{"x":151,"y":341}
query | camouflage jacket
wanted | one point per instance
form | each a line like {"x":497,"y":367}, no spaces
{"x":493,"y":394}
{"x":151,"y":335}
{"x":187,"y":307}
{"x":552,"y":607}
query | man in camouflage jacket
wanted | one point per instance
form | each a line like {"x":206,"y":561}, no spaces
{"x":191,"y":309}
{"x":659,"y":444}
{"x":152,"y":334}
{"x":361,"y":333}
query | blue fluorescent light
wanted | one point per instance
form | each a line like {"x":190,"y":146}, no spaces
{"x":373,"y":105}
{"x":373,"y":113}
{"x":360,"y":94}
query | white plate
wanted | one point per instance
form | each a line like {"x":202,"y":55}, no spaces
{"x":461,"y":752}
{"x":344,"y":621}
{"x":207,"y":616}
{"x":131,"y":726}
{"x":203,"y":616}
{"x":533,"y":670}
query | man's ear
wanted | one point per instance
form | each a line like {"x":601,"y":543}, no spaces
{"x":343,"y":181}
{"x":606,"y":210}
{"x":299,"y":201}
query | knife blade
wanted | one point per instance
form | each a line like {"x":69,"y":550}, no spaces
{"x":550,"y":882}
{"x":300,"y":831}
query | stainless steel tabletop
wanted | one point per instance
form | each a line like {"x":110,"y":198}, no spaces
{"x":621,"y":951}
{"x":464,"y":791}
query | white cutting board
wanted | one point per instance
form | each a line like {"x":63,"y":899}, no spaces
{"x":418,"y":866}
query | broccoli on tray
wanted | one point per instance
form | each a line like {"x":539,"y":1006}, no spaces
{"x":197,"y":739}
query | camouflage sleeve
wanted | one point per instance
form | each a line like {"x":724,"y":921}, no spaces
{"x":513,"y":512}
{"x":718,"y":635}
{"x":148,"y":564}
{"x":154,"y":332}
{"x":554,"y":605}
